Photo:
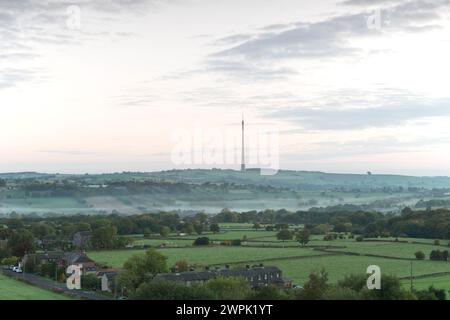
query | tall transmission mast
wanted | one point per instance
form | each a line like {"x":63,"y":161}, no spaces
{"x":243,"y":146}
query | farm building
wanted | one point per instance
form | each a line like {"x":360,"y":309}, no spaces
{"x":108,"y":279}
{"x":258,"y":276}
{"x":62,"y":259}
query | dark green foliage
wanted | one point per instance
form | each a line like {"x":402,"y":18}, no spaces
{"x":420,"y":255}
{"x":142,"y":267}
{"x":303,"y":237}
{"x":315,"y":287}
{"x":439,"y":255}
{"x":170,"y":291}
{"x":21,"y":242}
{"x":214,"y":227}
{"x":284,"y":235}
{"x":268,"y":293}
{"x":202,"y":241}
{"x":90,"y":282}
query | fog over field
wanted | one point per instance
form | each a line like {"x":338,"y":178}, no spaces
{"x":210,"y":191}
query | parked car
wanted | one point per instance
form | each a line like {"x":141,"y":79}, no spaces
{"x":17,"y":270}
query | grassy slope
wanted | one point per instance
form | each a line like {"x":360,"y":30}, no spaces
{"x":205,"y":255}
{"x":11,"y":289}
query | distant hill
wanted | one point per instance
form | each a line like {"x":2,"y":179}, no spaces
{"x":304,"y":179}
{"x":212,"y":190}
{"x":283,"y":179}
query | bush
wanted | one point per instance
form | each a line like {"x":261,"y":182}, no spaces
{"x":359,"y":238}
{"x":437,"y":242}
{"x":202,"y":241}
{"x":163,"y":290}
{"x":228,"y":288}
{"x":10,"y":261}
{"x":90,"y":282}
{"x":419,"y":255}
{"x":236,"y":242}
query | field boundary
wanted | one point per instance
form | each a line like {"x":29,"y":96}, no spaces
{"x":274,"y":259}
{"x":427,"y":275}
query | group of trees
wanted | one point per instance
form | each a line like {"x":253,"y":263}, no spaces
{"x":25,"y":234}
{"x":140,"y":269}
{"x":439,"y":255}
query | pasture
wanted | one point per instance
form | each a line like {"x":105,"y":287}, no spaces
{"x":342,"y":256}
{"x":209,"y":255}
{"x":11,"y":289}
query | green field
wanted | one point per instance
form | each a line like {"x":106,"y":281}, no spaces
{"x":423,"y":284}
{"x":340,"y":266}
{"x":297,"y":262}
{"x":11,"y":289}
{"x":206,"y":255}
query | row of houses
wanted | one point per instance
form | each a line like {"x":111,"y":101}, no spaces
{"x":257,"y":275}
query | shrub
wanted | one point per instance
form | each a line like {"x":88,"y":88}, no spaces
{"x":10,"y":261}
{"x":236,"y":242}
{"x":419,"y":255}
{"x":359,"y":238}
{"x":202,"y":241}
{"x":437,"y":242}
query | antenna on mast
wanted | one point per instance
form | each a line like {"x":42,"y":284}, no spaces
{"x":243,"y":145}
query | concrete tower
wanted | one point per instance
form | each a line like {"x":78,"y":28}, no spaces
{"x":243,"y":146}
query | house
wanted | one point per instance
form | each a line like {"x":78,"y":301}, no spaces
{"x":108,"y":279}
{"x":257,"y":276}
{"x":42,"y":258}
{"x":82,"y":239}
{"x":62,"y":259}
{"x":78,"y":258}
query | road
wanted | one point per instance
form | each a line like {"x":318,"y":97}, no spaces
{"x":48,"y":284}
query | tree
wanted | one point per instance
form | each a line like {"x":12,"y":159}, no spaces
{"x":228,"y":288}
{"x":315,"y":287}
{"x":303,"y":237}
{"x":202,"y":241}
{"x":21,"y":242}
{"x":104,"y":238}
{"x":90,"y":282}
{"x":420,"y":255}
{"x":170,"y":290}
{"x":284,"y":235}
{"x":164,"y":231}
{"x":198,"y":227}
{"x":391,"y":289}
{"x":270,"y":292}
{"x":214,"y":227}
{"x":181,"y":265}
{"x":142,"y":267}
{"x":11,"y":261}
{"x":256,"y":226}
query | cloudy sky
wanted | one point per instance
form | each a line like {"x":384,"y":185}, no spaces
{"x":109,"y":85}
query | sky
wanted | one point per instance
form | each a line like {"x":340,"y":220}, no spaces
{"x":122,"y":85}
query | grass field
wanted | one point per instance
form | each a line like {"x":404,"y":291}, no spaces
{"x":11,"y":289}
{"x":438,"y":282}
{"x":340,"y":266}
{"x":297,"y":262}
{"x":206,"y":255}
